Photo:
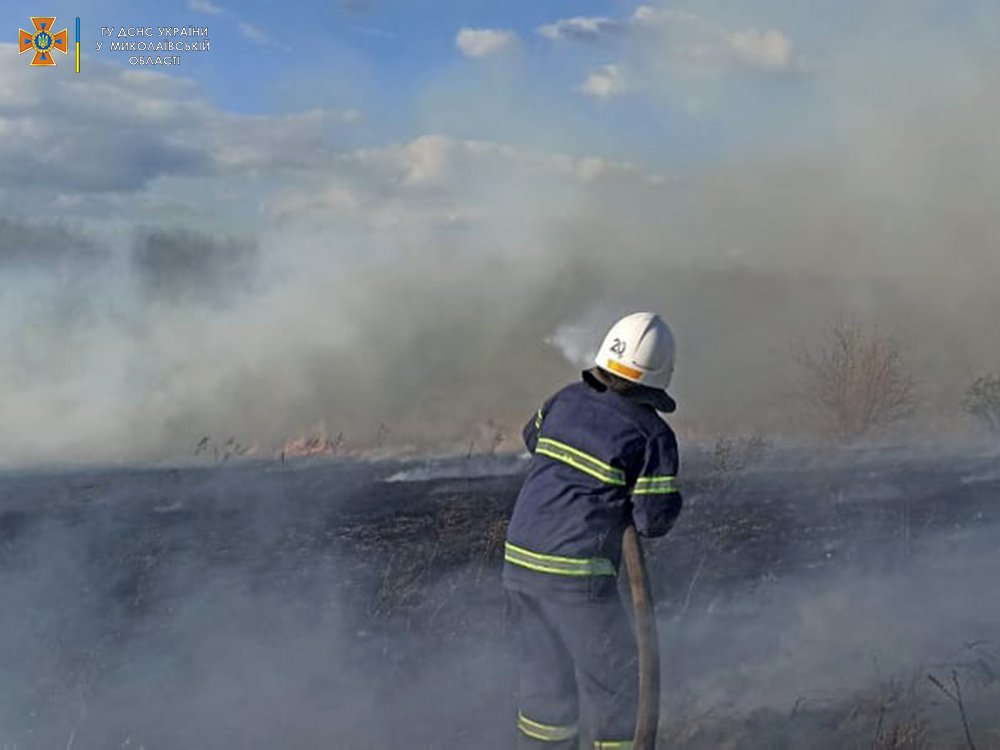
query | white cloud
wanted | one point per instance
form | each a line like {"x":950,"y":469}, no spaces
{"x":436,"y":159}
{"x":712,"y":50}
{"x":687,"y":41}
{"x":439,"y":181}
{"x":647,"y":15}
{"x":484,"y":42}
{"x":261,"y":37}
{"x":579,"y":27}
{"x":349,"y":116}
{"x":768,"y":50}
{"x":605,"y":82}
{"x":120,"y":129}
{"x":251,"y":32}
{"x":246,"y":29}
{"x":252,"y":144}
{"x":204,"y":6}
{"x":693,"y":42}
{"x":258,"y":35}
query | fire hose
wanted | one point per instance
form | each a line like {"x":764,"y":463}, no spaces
{"x":648,"y":715}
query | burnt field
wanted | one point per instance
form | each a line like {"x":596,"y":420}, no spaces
{"x":803,"y":602}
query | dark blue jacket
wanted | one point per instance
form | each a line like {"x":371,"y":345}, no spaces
{"x":600,"y":460}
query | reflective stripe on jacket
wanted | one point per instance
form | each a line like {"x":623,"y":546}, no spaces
{"x":600,"y":460}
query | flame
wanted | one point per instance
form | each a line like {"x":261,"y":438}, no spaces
{"x":312,"y":441}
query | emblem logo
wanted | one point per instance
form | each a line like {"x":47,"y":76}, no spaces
{"x":43,"y":41}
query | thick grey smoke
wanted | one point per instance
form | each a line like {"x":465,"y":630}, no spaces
{"x":424,"y":288}
{"x":179,"y":267}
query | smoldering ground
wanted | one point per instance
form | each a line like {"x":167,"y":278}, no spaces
{"x":318,"y":604}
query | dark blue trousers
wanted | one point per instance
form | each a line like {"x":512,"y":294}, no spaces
{"x":571,"y":653}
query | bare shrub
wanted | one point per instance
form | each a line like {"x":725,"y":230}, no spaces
{"x":856,"y":380}
{"x":982,"y":401}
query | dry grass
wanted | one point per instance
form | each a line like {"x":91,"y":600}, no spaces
{"x":953,"y":691}
{"x":460,"y":537}
{"x":400,"y":586}
{"x":901,"y":722}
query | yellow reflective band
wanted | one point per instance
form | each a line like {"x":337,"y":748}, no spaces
{"x":579,"y":460}
{"x":658,"y":485}
{"x":557,"y":565}
{"x":613,"y":745}
{"x":545,"y":732}
{"x":538,"y":419}
{"x":629,"y":372}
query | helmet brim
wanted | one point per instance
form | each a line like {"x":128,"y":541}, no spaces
{"x":659,"y":399}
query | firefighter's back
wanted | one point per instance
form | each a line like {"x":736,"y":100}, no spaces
{"x":565,"y":532}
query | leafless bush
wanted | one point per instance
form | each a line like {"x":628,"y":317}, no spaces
{"x":856,"y":380}
{"x":982,"y":401}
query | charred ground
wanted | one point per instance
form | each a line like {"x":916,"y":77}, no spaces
{"x":345,"y":604}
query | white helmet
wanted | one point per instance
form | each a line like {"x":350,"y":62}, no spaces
{"x":640,"y":348}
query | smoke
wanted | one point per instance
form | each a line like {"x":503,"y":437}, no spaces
{"x":220,"y":274}
{"x":241,"y":606}
{"x":181,"y":266}
{"x":434,"y":284}
{"x":578,"y":341}
{"x":815,"y":640}
{"x":190,"y":608}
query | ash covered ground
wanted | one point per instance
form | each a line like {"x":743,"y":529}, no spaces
{"x":803,"y":603}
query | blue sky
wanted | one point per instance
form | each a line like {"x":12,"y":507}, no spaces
{"x":395,"y":63}
{"x":669,"y":86}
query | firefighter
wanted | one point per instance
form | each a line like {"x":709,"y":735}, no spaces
{"x":602,"y":458}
